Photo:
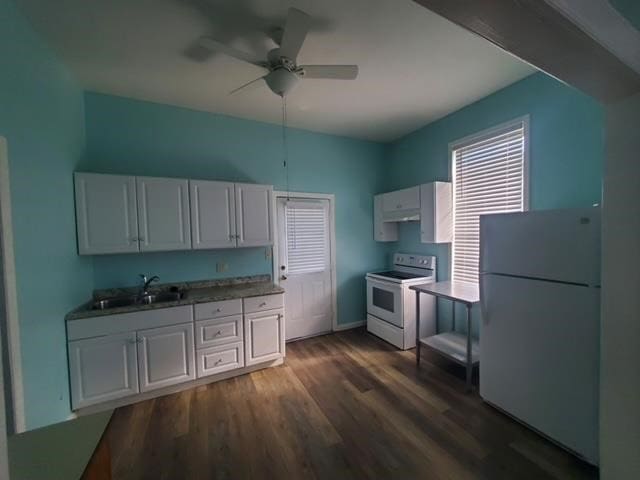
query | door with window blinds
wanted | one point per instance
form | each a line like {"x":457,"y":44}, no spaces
{"x":488,"y":177}
{"x":305,"y":265}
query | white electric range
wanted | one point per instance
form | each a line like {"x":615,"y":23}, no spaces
{"x":391,"y":306}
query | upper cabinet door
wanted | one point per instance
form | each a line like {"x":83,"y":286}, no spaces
{"x":213,"y":214}
{"x":382,"y":231}
{"x":253,"y":215}
{"x":405,"y":199}
{"x":106,"y":216}
{"x":163,"y":214}
{"x":436,"y":212}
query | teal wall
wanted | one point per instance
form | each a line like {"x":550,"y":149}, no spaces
{"x":135,"y":137}
{"x":566,"y":151}
{"x":630,"y":9}
{"x":41,"y":115}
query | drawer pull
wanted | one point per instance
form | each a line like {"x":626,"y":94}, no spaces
{"x":263,"y":304}
{"x":218,"y":310}
{"x":218,"y":361}
{"x":218,"y":333}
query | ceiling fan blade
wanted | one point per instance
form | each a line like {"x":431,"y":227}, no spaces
{"x":217,"y":46}
{"x":336,"y":72}
{"x":295,"y":31}
{"x":248,"y":86}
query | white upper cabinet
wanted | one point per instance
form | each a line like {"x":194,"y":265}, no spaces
{"x":106,"y":217}
{"x":253,"y":214}
{"x":405,"y":199}
{"x":163,"y":214}
{"x":213,"y":214}
{"x":121,"y":214}
{"x":436,"y":212}
{"x":382,"y":231}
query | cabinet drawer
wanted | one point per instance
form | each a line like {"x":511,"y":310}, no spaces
{"x":205,"y":311}
{"x":218,"y":331}
{"x":219,"y":359}
{"x":265,"y":302}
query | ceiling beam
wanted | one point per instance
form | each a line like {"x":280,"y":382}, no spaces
{"x":540,"y":35}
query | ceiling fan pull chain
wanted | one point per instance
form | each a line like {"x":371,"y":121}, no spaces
{"x":285,"y":154}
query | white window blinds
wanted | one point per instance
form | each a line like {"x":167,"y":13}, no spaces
{"x":488,"y":177}
{"x":307,"y":238}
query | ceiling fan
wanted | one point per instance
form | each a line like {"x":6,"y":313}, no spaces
{"x":283,"y":71}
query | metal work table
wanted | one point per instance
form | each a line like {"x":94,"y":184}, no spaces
{"x":458,"y":347}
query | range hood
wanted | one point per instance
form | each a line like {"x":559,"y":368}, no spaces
{"x":408,"y":215}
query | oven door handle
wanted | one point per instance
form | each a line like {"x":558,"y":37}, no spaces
{"x":385,"y":285}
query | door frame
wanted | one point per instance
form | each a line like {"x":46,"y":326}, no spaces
{"x":332,"y":243}
{"x":13,"y":386}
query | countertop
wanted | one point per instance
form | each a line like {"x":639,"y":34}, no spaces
{"x":195,"y":292}
{"x":456,"y":291}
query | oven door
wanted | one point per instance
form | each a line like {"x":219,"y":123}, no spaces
{"x":384,"y":300}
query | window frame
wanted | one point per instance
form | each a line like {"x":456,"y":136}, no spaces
{"x":483,"y":135}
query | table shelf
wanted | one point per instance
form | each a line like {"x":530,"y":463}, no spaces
{"x":453,"y":345}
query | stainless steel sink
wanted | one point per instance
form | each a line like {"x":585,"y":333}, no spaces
{"x":161,"y":297}
{"x":116,"y":302}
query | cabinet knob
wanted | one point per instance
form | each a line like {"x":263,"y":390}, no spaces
{"x":218,"y":310}
{"x":141,"y":239}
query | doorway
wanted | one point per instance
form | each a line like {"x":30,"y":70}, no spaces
{"x":304,"y":262}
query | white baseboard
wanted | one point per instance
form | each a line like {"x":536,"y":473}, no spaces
{"x":348,"y":326}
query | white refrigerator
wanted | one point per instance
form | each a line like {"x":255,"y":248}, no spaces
{"x":539,"y":337}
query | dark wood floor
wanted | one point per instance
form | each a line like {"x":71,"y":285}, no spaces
{"x":345,"y":405}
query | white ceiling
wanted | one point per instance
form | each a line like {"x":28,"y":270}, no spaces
{"x":415,"y":67}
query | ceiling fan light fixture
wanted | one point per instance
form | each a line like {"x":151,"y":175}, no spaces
{"x":282,"y":81}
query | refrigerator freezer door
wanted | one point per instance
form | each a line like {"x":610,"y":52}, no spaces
{"x":561,"y":245}
{"x":539,"y":351}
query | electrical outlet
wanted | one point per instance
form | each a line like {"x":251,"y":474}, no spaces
{"x":222,"y":267}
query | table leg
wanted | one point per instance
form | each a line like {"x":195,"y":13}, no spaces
{"x":453,"y":316}
{"x":417,"y":328}
{"x":469,"y":356}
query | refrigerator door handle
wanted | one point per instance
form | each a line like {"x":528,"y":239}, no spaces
{"x":483,"y":307}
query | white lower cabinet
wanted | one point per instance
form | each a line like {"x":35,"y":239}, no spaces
{"x":263,"y":336}
{"x":219,"y":359}
{"x":103,"y":368}
{"x":165,"y":356}
{"x":131,"y":353}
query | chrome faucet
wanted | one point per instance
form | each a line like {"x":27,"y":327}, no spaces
{"x":144,"y":288}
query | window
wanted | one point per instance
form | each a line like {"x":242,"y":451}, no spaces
{"x":307,"y":238}
{"x":489,"y":176}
